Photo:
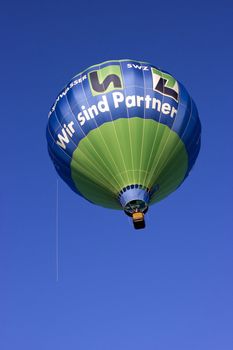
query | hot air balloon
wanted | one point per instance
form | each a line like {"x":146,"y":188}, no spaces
{"x":124,"y":134}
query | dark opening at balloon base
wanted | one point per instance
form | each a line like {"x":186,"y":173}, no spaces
{"x":135,"y":206}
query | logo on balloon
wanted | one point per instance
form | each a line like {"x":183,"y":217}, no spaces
{"x":105,"y":79}
{"x":165,"y":84}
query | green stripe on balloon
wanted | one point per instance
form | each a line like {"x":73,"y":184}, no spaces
{"x":124,"y":152}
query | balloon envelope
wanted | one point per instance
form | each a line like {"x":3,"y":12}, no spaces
{"x":123,"y":134}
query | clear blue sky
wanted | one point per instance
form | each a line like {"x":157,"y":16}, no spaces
{"x":169,"y":287}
